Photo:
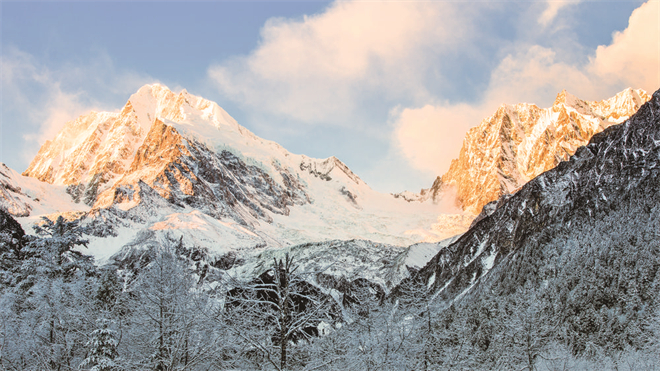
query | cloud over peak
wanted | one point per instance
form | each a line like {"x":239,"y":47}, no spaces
{"x":633,"y":57}
{"x":535,"y":74}
{"x":42,"y":99}
{"x":324,"y":65}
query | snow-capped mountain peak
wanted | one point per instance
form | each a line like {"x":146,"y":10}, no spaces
{"x":519,"y":142}
{"x":168,"y":158}
{"x":96,"y":149}
{"x":615,"y":109}
{"x":158,"y":101}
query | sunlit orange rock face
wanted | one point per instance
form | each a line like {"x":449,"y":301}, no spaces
{"x":90,"y":150}
{"x":94,"y":151}
{"x":113,"y":158}
{"x":521,"y":141}
{"x":158,"y":163}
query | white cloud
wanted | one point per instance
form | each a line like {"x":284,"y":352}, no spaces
{"x":633,"y":57}
{"x":320,"y":68}
{"x":552,"y":9}
{"x":534,"y":75}
{"x":430,"y":136}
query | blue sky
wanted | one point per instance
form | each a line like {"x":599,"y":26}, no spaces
{"x":390,"y":88}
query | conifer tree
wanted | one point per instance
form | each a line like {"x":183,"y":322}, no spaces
{"x":102,"y":349}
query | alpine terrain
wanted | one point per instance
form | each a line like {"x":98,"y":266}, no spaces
{"x":178,"y":165}
{"x":165,"y":236}
{"x":570,"y":261}
{"x":519,"y":142}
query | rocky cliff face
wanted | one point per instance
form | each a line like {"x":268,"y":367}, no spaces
{"x":92,"y":152}
{"x":102,"y":157}
{"x":601,"y":202}
{"x":170,"y":166}
{"x":519,"y":142}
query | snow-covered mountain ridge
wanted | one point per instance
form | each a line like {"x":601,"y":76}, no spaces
{"x":22,"y":196}
{"x":519,"y":142}
{"x":169,"y":166}
{"x":601,"y":204}
{"x":94,"y":151}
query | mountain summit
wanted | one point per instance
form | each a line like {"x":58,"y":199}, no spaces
{"x":180,"y":145}
{"x":174,"y":165}
{"x":519,"y":142}
{"x":93,"y":152}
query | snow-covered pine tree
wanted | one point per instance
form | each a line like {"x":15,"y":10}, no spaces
{"x":53,"y":253}
{"x":267,"y":314}
{"x":168,"y":320}
{"x":102,"y":348}
{"x":47,"y":301}
{"x":109,"y":288}
{"x":12,"y":239}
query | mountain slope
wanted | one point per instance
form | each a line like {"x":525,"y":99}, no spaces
{"x":600,"y":204}
{"x":522,"y":141}
{"x":167,"y":166}
{"x":24,"y":196}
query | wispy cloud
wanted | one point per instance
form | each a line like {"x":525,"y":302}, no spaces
{"x":552,"y":9}
{"x":535,"y":74}
{"x":38,"y":101}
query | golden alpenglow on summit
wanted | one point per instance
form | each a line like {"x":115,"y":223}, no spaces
{"x":224,"y":186}
{"x":521,"y":141}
